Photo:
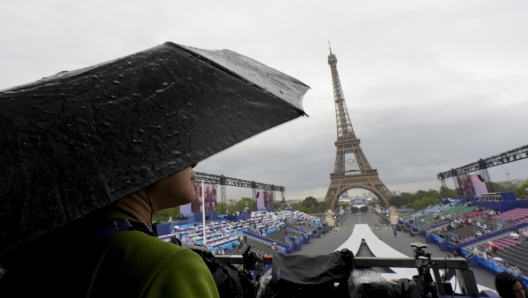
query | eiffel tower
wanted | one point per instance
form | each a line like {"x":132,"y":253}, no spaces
{"x":351,"y":168}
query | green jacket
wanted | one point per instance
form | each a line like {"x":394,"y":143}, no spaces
{"x":125,"y":264}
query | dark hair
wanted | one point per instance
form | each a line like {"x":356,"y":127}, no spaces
{"x":504,"y":282}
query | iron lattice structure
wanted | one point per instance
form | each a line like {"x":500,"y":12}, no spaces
{"x":481,"y":166}
{"x":347,"y":143}
{"x":223,"y":181}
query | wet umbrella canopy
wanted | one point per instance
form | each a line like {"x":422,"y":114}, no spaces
{"x":77,"y":141}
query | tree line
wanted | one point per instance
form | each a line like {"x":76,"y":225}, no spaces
{"x":418,"y":200}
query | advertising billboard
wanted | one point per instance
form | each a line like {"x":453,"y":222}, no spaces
{"x":265,"y":200}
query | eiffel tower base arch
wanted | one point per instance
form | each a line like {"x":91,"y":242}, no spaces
{"x":370,"y":182}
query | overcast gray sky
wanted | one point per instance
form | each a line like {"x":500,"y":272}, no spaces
{"x":429,"y":84}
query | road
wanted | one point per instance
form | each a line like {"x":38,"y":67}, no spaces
{"x":327,"y":244}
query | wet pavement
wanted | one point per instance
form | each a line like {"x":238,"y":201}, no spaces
{"x":401,"y":243}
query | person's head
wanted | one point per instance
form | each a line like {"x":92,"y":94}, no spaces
{"x":508,"y":286}
{"x":173,"y":191}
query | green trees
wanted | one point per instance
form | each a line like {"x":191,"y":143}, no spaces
{"x":500,"y":188}
{"x":165,"y":214}
{"x":310,"y":205}
{"x":221,"y":208}
{"x":449,"y":193}
{"x":397,"y":201}
{"x":521,"y":190}
{"x":237,"y":206}
{"x":421,"y":198}
{"x":373,"y":202}
{"x":424,"y":202}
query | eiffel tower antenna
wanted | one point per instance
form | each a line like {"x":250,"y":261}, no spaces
{"x":351,"y":167}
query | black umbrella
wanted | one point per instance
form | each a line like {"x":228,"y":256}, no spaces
{"x":79,"y":140}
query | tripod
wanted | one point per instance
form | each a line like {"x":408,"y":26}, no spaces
{"x":424,"y":265}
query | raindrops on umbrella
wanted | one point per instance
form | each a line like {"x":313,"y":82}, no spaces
{"x":107,"y":131}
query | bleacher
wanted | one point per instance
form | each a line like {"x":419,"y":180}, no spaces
{"x":257,"y":245}
{"x":279,"y":235}
{"x":262,"y":231}
{"x":517,"y":215}
{"x":512,"y":253}
{"x":464,"y":232}
{"x":429,"y":221}
{"x":433,"y":217}
{"x":470,"y":232}
{"x":448,"y":213}
{"x":429,"y":210}
{"x":439,"y":225}
{"x":516,"y":254}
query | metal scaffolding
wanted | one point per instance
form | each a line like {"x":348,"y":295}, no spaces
{"x":223,"y":181}
{"x":482,"y":165}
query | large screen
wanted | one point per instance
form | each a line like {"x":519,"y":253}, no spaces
{"x":478,"y":185}
{"x":209,"y":199}
{"x":466,"y":186}
{"x":265,"y":200}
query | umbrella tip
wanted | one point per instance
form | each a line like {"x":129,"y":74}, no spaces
{"x":330,"y":47}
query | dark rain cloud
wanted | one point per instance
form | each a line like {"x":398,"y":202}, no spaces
{"x":428,"y":85}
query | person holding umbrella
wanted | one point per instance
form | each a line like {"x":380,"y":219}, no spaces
{"x":89,"y":156}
